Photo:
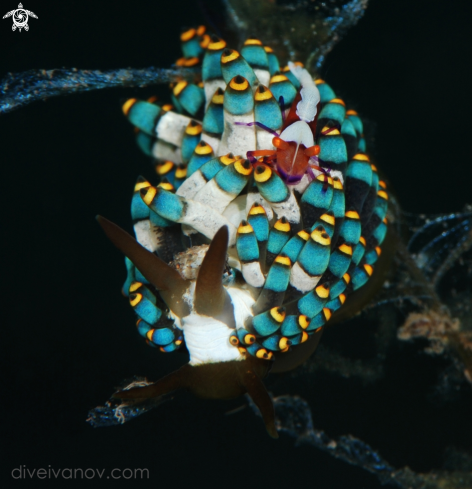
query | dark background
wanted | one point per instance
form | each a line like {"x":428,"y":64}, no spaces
{"x":67,"y":334}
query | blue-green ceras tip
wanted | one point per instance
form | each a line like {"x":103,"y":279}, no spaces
{"x":197,"y":161}
{"x":159,"y":221}
{"x":268,"y":113}
{"x":211,"y":168}
{"x":326,"y":92}
{"x":290,"y":326}
{"x":237,"y":66}
{"x":144,"y":116}
{"x":213,"y":120}
{"x":357,"y":123}
{"x":147,"y":311}
{"x":247,"y":247}
{"x":358,"y":253}
{"x":338,"y":203}
{"x":277,"y":278}
{"x":145,"y":142}
{"x":163,"y":336}
{"x":339,"y":263}
{"x":274,"y":64}
{"x":211,"y":66}
{"x":317,"y":321}
{"x":143,"y":328}
{"x":277,"y":240}
{"x":360,"y":170}
{"x":311,"y":304}
{"x":371,"y":257}
{"x":170,"y":347}
{"x":130,"y":276}
{"x":359,"y":277}
{"x":273,"y":189}
{"x":255,"y":56}
{"x":348,"y":129}
{"x":260,"y":224}
{"x":293,"y":79}
{"x":293,"y":247}
{"x":189,"y":143}
{"x":230,"y":180}
{"x":139,"y":210}
{"x":333,"y":111}
{"x":337,"y":288}
{"x":191,"y":98}
{"x":191,"y":48}
{"x":318,"y":194}
{"x":332,"y":149}
{"x":264,"y":324}
{"x":284,"y":89}
{"x":238,"y":102}
{"x":351,"y":230}
{"x":272,"y":342}
{"x":314,"y":257}
{"x":167,"y":205}
{"x":380,"y":232}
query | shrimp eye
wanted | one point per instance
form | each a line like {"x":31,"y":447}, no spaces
{"x":312,"y":151}
{"x":280,"y":143}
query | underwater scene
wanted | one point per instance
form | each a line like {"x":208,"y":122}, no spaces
{"x":287,"y":184}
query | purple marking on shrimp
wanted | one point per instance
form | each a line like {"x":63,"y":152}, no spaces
{"x":326,"y":173}
{"x":323,"y":170}
{"x":310,"y":172}
{"x":250,"y":156}
{"x":282,"y":107}
{"x":289,"y":179}
{"x":258,"y":124}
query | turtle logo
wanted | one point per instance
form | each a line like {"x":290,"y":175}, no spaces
{"x":20,"y":18}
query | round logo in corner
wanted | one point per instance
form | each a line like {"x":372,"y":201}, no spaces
{"x":20,"y":18}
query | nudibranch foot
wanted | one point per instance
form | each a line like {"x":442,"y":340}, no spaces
{"x":221,"y":380}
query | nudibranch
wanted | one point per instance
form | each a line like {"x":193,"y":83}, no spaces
{"x":267,"y":216}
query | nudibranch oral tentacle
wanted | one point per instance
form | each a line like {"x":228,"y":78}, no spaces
{"x":268,"y":216}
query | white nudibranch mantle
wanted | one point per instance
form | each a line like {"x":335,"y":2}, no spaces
{"x":208,"y":339}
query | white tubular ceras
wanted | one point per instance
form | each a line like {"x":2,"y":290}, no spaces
{"x":170,"y":131}
{"x":171,"y":128}
{"x":301,"y":280}
{"x":263,"y":76}
{"x":237,"y":138}
{"x":288,"y":209}
{"x":147,"y":234}
{"x":235,"y":212}
{"x":162,"y":150}
{"x":206,"y":220}
{"x":213,"y":196}
{"x":192,"y":185}
{"x":252,"y":273}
